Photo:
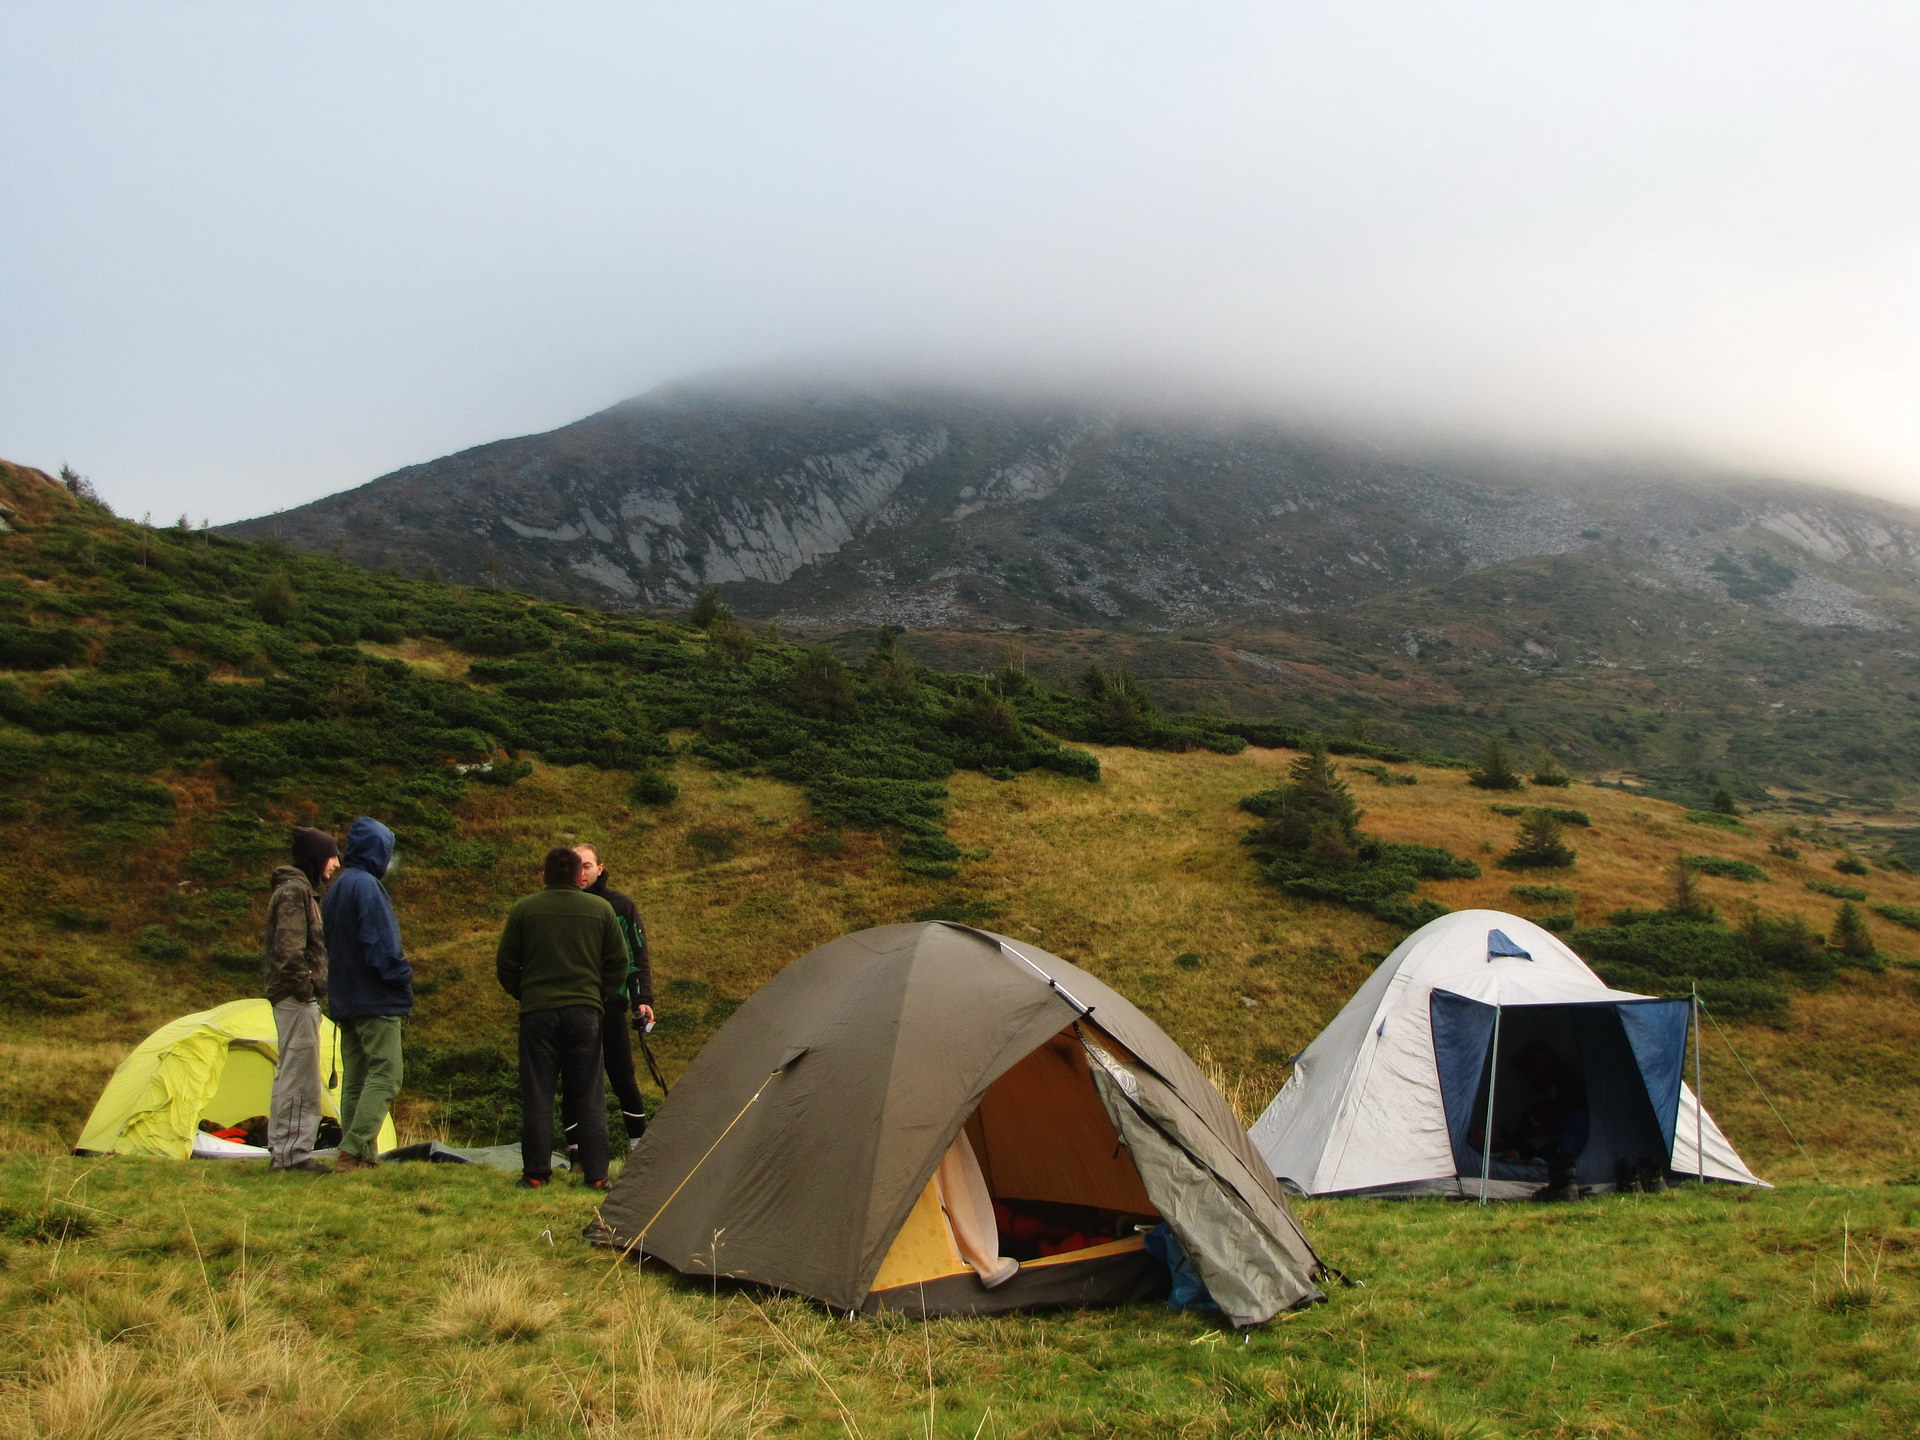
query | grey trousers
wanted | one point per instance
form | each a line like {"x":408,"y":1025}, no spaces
{"x":294,"y":1115}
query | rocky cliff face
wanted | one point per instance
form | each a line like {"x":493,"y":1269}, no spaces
{"x":845,"y":507}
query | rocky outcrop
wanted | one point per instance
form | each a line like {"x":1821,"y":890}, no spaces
{"x":852,"y":507}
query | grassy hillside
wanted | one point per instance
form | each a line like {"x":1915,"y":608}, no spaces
{"x":159,"y":1299}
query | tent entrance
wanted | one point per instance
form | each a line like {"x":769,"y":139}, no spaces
{"x":1598,"y":1081}
{"x":246,"y":1083}
{"x":1056,"y":1191}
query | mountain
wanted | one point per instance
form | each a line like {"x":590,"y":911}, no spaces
{"x":1677,"y":627}
{"x":841,"y":507}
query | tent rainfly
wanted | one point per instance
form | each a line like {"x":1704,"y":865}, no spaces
{"x":1394,"y":1097}
{"x":212,"y":1065}
{"x":882,"y":1123}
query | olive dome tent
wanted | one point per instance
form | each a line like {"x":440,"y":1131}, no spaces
{"x":880,"y":1124}
{"x":1394,"y":1096}
{"x":212,"y":1065}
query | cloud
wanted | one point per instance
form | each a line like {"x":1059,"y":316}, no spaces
{"x":276,"y":252}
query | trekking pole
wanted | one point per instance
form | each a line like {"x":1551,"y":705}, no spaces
{"x":641,"y":1031}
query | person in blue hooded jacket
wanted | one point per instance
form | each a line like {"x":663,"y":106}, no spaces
{"x":369,"y":989}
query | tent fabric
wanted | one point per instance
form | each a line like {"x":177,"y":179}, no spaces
{"x":1251,"y":1270}
{"x":799,"y":1143}
{"x":212,"y":1065}
{"x":1366,"y":1110}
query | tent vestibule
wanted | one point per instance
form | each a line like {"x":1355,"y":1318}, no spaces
{"x":1421,"y":1085}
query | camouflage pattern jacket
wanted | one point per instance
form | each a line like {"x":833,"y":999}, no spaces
{"x":296,"y":950}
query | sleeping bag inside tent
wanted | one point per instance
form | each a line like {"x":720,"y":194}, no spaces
{"x":212,"y":1065}
{"x":938,"y":1120}
{"x":1480,"y":1052}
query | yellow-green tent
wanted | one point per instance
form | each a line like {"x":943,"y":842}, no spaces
{"x":213,"y":1065}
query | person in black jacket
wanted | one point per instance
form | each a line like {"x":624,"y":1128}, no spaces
{"x":635,"y":998}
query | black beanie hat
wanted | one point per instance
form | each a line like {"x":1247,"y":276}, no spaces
{"x":311,"y":851}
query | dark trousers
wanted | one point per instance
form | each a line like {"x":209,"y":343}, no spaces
{"x":617,"y":1041}
{"x":562,"y":1045}
{"x":617,"y":1044}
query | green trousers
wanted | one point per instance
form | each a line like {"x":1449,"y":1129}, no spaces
{"x":370,"y":1078}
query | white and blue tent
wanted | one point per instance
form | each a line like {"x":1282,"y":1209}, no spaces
{"x":1394,"y":1096}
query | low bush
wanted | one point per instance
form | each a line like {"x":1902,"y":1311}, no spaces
{"x":1838,"y":892}
{"x":1726,"y":869}
{"x":1543,"y":894}
{"x":1906,"y":915}
{"x":1716,"y":819}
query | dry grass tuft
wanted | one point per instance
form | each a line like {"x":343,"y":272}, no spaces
{"x":485,"y":1302}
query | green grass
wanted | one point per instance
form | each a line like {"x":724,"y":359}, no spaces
{"x":217,"y":1300}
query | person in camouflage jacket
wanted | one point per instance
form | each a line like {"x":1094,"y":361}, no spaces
{"x":296,"y":975}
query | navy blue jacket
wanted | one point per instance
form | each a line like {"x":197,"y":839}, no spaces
{"x":367,"y":972}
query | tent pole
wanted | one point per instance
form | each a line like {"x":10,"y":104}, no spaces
{"x":1699,"y":1101}
{"x":1493,"y":1085}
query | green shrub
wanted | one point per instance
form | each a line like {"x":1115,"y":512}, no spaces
{"x":650,"y":787}
{"x":1716,"y":819}
{"x":121,"y":797}
{"x":156,"y":942}
{"x":1557,"y":923}
{"x":1543,"y":894}
{"x":73,"y":917}
{"x":1564,"y":816}
{"x":1906,"y":915}
{"x":1850,"y":864}
{"x":1838,"y":892}
{"x":1726,"y":869}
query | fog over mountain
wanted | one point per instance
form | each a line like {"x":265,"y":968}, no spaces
{"x":266,"y":252}
{"x":833,"y":505}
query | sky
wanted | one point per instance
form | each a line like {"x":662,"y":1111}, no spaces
{"x":260,"y":253}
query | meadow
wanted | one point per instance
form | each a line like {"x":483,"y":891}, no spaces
{"x":145,"y":1298}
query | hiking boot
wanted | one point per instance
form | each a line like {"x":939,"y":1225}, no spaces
{"x":530,"y":1182}
{"x":602,"y":1184}
{"x":350,"y":1161}
{"x":310,"y":1165}
{"x":1626,"y":1179}
{"x":1653,"y":1176}
{"x":1563,"y":1181}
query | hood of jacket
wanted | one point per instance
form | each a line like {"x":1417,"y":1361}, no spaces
{"x":283,"y":873}
{"x":369,"y":846}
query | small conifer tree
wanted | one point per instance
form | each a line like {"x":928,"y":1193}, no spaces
{"x":1541,"y":845}
{"x":1722,"y":802}
{"x":1495,"y":770}
{"x":706,"y":609}
{"x":1550,"y":772}
{"x":893,"y":675}
{"x":822,"y":687}
{"x":276,"y":600}
{"x":1850,"y":934}
{"x":731,"y":639}
{"x":1684,"y":898}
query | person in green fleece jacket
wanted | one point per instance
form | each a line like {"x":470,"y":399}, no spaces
{"x":562,"y":957}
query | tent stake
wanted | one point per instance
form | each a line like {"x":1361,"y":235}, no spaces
{"x":1493,"y":1084}
{"x":1699,"y":1100}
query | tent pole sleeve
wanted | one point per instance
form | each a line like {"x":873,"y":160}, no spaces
{"x":1493,"y":1085}
{"x":1699,"y":1103}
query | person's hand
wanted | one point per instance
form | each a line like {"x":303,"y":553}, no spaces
{"x":643,"y":1013}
